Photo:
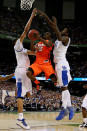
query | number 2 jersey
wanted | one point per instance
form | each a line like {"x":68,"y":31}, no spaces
{"x":43,"y":53}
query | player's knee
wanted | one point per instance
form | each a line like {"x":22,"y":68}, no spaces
{"x":29,"y":72}
{"x":64,"y":88}
{"x":53,"y":77}
{"x":84,"y":107}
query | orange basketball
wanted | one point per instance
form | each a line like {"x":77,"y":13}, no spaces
{"x":32,"y":35}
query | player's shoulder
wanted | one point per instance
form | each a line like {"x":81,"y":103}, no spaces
{"x":18,"y":40}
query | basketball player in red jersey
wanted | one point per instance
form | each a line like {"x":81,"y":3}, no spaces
{"x":42,"y":62}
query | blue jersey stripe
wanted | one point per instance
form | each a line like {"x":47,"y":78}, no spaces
{"x":19,"y":50}
{"x":64,"y":77}
{"x":19,"y":89}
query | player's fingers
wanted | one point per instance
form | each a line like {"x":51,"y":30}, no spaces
{"x":34,"y":11}
{"x":39,"y":12}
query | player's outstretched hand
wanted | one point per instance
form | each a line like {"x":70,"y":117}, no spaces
{"x":34,"y":12}
{"x":40,"y":13}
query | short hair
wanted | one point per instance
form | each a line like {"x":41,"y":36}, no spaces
{"x":68,"y":31}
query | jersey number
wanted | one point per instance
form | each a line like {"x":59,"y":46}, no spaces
{"x":40,"y":48}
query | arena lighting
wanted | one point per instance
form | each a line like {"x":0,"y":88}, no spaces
{"x":43,"y":78}
{"x":79,"y":79}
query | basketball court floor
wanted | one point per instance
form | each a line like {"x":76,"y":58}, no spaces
{"x":41,"y":121}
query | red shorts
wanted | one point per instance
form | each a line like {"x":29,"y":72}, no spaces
{"x":45,"y":67}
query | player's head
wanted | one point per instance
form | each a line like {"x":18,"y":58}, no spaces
{"x":64,"y":32}
{"x":47,"y":35}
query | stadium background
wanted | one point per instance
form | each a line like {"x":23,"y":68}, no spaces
{"x":68,"y":13}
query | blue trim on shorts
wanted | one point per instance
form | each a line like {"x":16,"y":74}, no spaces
{"x":19,"y":50}
{"x":64,"y":77}
{"x":19,"y":89}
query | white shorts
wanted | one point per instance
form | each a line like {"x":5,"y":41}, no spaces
{"x":63,"y":73}
{"x":23,"y":83}
{"x":84,"y":103}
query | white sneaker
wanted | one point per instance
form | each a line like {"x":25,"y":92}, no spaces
{"x":83,"y":125}
{"x":22,"y":124}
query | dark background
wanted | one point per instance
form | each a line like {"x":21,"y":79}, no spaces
{"x":73,"y":8}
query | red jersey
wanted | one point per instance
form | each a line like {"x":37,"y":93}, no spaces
{"x":43,"y":53}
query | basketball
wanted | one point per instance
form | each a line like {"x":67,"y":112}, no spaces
{"x":32,"y":35}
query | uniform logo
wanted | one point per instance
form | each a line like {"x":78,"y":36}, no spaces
{"x":19,"y":79}
{"x":64,"y":67}
{"x":56,"y":43}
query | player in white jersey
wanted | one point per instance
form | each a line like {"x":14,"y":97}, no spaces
{"x":61,"y":65}
{"x":23,"y":83}
{"x":84,"y":109}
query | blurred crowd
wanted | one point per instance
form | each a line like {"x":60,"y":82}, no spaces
{"x":46,"y":100}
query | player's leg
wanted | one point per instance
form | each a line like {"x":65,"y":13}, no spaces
{"x":84,"y":112}
{"x":19,"y":81}
{"x":63,"y":80}
{"x":69,"y":105}
{"x":21,"y":121}
{"x":33,"y":71}
{"x":49,"y":72}
{"x":27,"y":85}
{"x":64,"y":110}
{"x":53,"y":78}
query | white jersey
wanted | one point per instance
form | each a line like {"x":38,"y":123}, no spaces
{"x":60,"y":51}
{"x":62,"y":67}
{"x":21,"y":55}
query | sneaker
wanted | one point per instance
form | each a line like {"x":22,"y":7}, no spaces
{"x":83,"y":125}
{"x":22,"y":124}
{"x":39,"y":88}
{"x":62,"y":114}
{"x":71,"y":112}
